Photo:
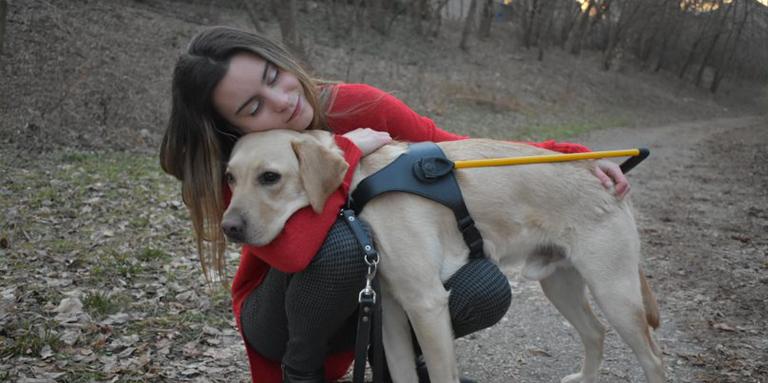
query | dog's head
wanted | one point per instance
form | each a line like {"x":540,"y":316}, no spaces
{"x":273,"y":174}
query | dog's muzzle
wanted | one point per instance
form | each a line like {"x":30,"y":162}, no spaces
{"x":234,"y":228}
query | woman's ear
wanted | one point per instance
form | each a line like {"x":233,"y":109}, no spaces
{"x":321,"y":171}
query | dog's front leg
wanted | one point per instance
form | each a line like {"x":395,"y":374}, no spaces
{"x":398,"y":345}
{"x":432,"y":324}
{"x":411,"y":260}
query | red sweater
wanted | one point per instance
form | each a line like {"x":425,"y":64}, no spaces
{"x":355,"y":106}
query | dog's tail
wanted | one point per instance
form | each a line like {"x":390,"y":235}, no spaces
{"x":649,"y":301}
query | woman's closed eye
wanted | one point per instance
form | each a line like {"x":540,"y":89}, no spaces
{"x":272,"y":74}
{"x":255,"y":106}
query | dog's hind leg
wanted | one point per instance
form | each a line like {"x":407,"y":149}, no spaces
{"x":617,"y":290}
{"x":627,"y":316}
{"x":565,"y":288}
{"x":622,"y":304}
{"x":398,"y":344}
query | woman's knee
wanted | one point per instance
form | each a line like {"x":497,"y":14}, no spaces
{"x":480,"y":296}
{"x":263,"y":317}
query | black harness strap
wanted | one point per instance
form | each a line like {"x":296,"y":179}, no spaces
{"x":423,"y":170}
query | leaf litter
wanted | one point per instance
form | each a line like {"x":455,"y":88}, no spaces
{"x":100,"y":278}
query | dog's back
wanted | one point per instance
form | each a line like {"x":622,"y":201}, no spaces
{"x":522,"y":211}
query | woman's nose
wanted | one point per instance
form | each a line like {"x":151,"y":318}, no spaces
{"x":280,"y":101}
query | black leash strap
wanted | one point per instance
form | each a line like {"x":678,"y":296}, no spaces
{"x":369,"y":312}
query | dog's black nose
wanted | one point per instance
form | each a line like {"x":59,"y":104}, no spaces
{"x":234,"y":228}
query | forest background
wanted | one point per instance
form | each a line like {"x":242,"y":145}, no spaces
{"x":99,"y":278}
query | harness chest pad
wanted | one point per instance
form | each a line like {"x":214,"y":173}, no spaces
{"x":423,"y":170}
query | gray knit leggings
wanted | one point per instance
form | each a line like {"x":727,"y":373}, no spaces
{"x":299,"y":318}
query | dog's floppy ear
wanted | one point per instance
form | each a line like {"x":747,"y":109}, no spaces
{"x":321,"y":171}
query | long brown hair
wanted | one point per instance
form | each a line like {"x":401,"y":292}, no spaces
{"x":198,"y":141}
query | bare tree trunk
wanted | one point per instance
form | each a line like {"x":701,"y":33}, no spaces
{"x":537,"y":23}
{"x":694,"y":48}
{"x":285,"y":11}
{"x":486,"y":20}
{"x":378,"y":19}
{"x":437,"y":18}
{"x":530,"y":25}
{"x":618,"y":30}
{"x":571,"y":15}
{"x":253,"y":14}
{"x":419,"y":9}
{"x":544,"y":32}
{"x":662,"y":51}
{"x":670,"y":33}
{"x":650,"y":33}
{"x":574,"y":44}
{"x":468,"y":25}
{"x":576,"y":21}
{"x":357,"y":14}
{"x":522,"y":12}
{"x":613,"y":40}
{"x":330,"y":15}
{"x":715,"y":39}
{"x":661,"y":59}
{"x":395,"y":12}
{"x":3,"y":12}
{"x":727,"y":57}
{"x":691,"y":54}
{"x":703,"y":33}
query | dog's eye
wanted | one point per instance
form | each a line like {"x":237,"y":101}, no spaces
{"x":229,"y":178}
{"x":269,"y":178}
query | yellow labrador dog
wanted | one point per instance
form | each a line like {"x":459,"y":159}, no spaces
{"x":555,"y":220}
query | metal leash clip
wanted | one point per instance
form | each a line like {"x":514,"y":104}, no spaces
{"x":367,"y":295}
{"x":371,"y":257}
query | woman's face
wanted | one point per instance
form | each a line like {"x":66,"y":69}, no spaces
{"x":255,"y":95}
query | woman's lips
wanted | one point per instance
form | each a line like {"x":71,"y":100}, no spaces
{"x":297,"y":109}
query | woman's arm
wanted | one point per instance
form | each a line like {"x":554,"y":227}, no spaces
{"x":363,"y":106}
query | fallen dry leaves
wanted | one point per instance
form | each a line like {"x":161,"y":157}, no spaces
{"x":100,"y":280}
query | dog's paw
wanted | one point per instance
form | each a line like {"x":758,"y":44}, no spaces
{"x":577,"y":378}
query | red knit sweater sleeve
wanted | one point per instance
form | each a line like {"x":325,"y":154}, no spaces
{"x":363,"y":106}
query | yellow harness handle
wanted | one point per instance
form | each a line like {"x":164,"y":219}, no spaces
{"x":545,"y":158}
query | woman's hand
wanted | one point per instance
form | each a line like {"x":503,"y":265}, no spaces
{"x":610,"y":174}
{"x":368,"y":140}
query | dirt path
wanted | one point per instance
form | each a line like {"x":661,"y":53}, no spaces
{"x":702,"y":202}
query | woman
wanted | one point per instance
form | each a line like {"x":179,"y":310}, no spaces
{"x":295,"y":299}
